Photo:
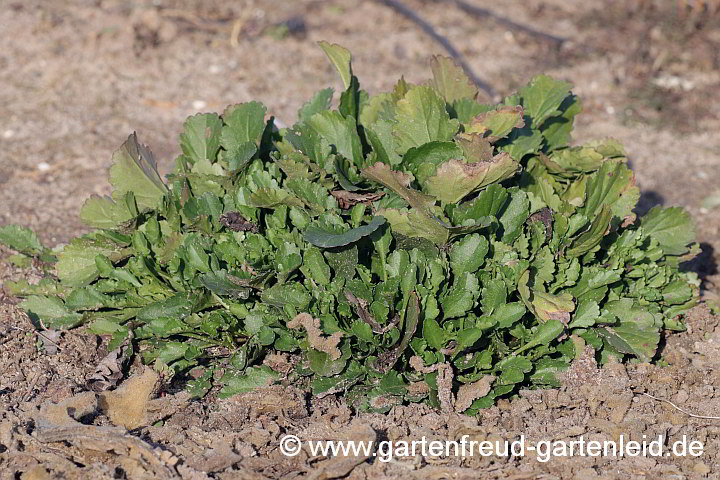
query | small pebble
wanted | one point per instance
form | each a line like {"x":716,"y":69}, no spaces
{"x":215,"y":69}
{"x":43,"y":166}
{"x":199,"y":104}
{"x":609,"y":109}
{"x":8,"y":133}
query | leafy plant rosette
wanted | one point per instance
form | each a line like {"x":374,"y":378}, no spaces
{"x":411,"y":246}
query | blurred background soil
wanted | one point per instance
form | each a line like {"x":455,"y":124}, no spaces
{"x":76,"y":77}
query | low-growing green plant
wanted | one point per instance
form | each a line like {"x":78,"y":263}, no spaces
{"x":415,"y":245}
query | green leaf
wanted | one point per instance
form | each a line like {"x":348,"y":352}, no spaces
{"x":412,"y":316}
{"x":86,"y":298}
{"x":433,"y":334}
{"x":322,"y":364}
{"x":314,"y":195}
{"x":309,"y":142}
{"x":543,"y":335}
{"x":351,"y":99}
{"x":21,"y":239}
{"x":51,"y":311}
{"x":315,"y":267}
{"x":494,"y":295}
{"x":340,"y":383}
{"x":399,"y":183}
{"x":468,"y":254}
{"x":543,"y":96}
{"x":318,"y":103}
{"x":592,"y":279}
{"x":466,"y":338}
{"x":200,"y":139}
{"x":244,"y":122}
{"x":586,"y":315}
{"x":613,"y":186}
{"x":637,"y":331}
{"x":455,"y":179}
{"x":339,"y":131}
{"x":461,"y":297}
{"x":592,"y":238}
{"x":569,"y":162}
{"x":677,"y":292}
{"x":521,"y":142}
{"x":104,"y":212}
{"x":546,"y":370}
{"x":134,"y":170}
{"x":423,"y":161}
{"x":273,"y":197}
{"x":76,"y":262}
{"x":327,"y":239}
{"x":506,"y":315}
{"x":414,"y":224}
{"x":514,"y":215}
{"x":253,"y":379}
{"x":465,"y":109}
{"x":239,"y":157}
{"x":422,"y":118}
{"x":178,"y":306}
{"x":220,"y":283}
{"x":292,"y":294}
{"x":497,"y":124}
{"x":450,"y":81}
{"x":343,"y":261}
{"x":556,"y":130}
{"x":380,"y":136}
{"x":488,"y":203}
{"x":671,"y":227}
{"x":340,"y":58}
{"x":513,"y":370}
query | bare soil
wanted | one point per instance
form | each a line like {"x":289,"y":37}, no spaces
{"x":77,"y":77}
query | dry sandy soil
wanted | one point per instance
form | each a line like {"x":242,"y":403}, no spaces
{"x":77,"y":76}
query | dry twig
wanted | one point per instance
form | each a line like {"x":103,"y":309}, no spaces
{"x":426,"y":27}
{"x":705,"y":417}
{"x":506,"y":22}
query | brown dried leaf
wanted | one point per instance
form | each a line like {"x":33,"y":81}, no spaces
{"x":475,"y":147}
{"x":456,"y":179}
{"x":543,"y":215}
{"x":347,"y":199}
{"x":496,"y":124}
{"x":362,"y":311}
{"x":237,"y":223}
{"x":110,"y":369}
{"x":399,"y":183}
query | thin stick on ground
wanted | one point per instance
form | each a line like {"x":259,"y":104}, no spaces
{"x":506,"y":22}
{"x":38,"y":333}
{"x":689,"y":414}
{"x":426,"y":27}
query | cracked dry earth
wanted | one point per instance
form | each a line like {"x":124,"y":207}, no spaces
{"x":78,"y":77}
